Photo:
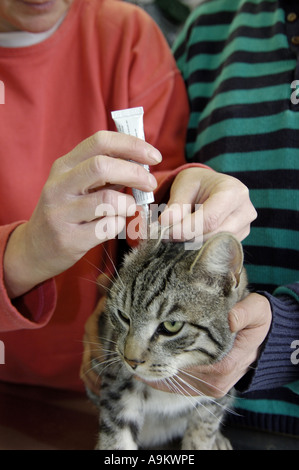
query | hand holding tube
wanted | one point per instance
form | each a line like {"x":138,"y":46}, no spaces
{"x":62,"y":227}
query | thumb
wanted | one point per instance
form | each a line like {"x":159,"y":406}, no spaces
{"x":251,"y":312}
{"x":237,"y":319}
{"x":183,"y":195}
{"x":241,"y":316}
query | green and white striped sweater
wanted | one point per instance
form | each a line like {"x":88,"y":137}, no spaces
{"x":240,"y":62}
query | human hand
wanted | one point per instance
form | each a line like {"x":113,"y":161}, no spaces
{"x":71,"y":215}
{"x":250,"y":319}
{"x":225,"y":205}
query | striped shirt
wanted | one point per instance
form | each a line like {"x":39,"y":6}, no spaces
{"x":240,"y":62}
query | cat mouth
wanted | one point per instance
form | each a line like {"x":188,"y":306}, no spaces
{"x":147,"y":372}
{"x":150,"y":377}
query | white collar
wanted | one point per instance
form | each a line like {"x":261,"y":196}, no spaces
{"x":24,"y":38}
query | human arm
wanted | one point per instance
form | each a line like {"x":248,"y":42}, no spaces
{"x":32,"y":310}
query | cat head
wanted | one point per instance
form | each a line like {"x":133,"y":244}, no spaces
{"x":169,"y":307}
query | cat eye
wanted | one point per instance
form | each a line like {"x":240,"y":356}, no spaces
{"x":123,"y":316}
{"x":171,"y":327}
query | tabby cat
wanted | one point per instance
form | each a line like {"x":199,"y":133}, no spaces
{"x":167,"y":311}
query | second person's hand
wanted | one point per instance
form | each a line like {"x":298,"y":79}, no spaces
{"x":224,"y":205}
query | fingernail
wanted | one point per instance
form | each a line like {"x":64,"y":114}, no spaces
{"x":152,"y":181}
{"x":155,"y":155}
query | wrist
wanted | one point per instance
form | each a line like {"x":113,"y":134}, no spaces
{"x":20,"y":270}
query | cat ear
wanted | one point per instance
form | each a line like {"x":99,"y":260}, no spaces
{"x":221,"y":254}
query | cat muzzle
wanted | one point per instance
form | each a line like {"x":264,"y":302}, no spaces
{"x":133,"y":363}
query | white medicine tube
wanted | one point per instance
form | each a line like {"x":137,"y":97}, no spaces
{"x":130,"y":122}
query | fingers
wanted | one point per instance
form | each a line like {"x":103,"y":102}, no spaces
{"x":112,"y":144}
{"x":252,"y":312}
{"x":97,"y":221}
{"x":205,"y":202}
{"x":81,"y":204}
{"x":102,"y":203}
{"x":182,"y":222}
{"x":228,"y":210}
{"x":183,"y":197}
{"x":108,"y":228}
{"x":102,"y":170}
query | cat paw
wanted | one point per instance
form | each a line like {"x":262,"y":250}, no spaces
{"x":221,"y":443}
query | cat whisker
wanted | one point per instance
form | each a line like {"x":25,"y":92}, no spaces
{"x":110,"y":279}
{"x":174,"y":388}
{"x":203,"y":381}
{"x":102,"y":338}
{"x":201,"y":394}
{"x":100,"y":270}
{"x":85,"y":341}
{"x":115,"y":269}
{"x":106,"y":351}
{"x":168,"y":384}
{"x":191,"y":387}
{"x":107,"y":289}
{"x":199,"y":403}
{"x":182,"y":391}
{"x":233,"y":359}
{"x":95,"y":343}
{"x":211,"y":399}
{"x":230,"y":410}
{"x":100,"y":345}
{"x":107,"y":363}
{"x":86,"y":372}
{"x":98,"y":360}
{"x":194,"y":389}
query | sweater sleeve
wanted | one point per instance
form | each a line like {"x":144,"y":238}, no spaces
{"x":277,"y":365}
{"x":31,"y":310}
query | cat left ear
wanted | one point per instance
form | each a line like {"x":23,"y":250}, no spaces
{"x":221,"y":254}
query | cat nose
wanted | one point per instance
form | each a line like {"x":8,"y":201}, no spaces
{"x":133,"y":362}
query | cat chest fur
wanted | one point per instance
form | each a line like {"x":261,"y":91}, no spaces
{"x":158,"y":416}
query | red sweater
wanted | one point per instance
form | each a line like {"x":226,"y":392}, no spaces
{"x":106,"y":55}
